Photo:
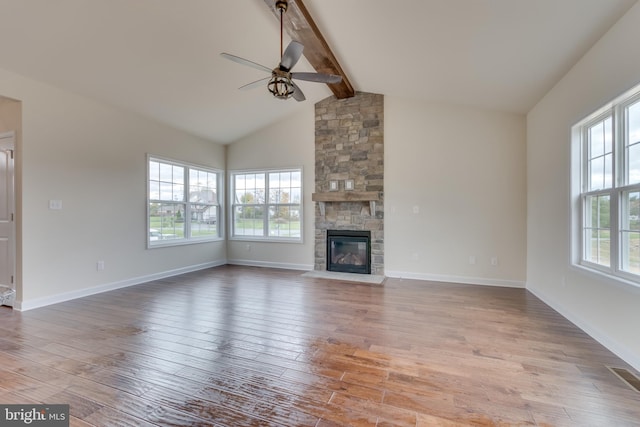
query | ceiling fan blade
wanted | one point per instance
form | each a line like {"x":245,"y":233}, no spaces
{"x":317,"y":77}
{"x":254,"y":84}
{"x":245,"y":62}
{"x":291,"y":55}
{"x":297,"y":93}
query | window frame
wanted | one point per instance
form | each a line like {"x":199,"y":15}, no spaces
{"x":265,"y":237}
{"x":186,"y":203}
{"x":617,"y":191}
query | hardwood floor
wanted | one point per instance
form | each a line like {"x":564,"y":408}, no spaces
{"x":242,"y":346}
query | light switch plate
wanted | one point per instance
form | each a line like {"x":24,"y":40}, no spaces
{"x":55,"y":204}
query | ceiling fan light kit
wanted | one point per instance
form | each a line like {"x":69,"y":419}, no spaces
{"x":281,"y":84}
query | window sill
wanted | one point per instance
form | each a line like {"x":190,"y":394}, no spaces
{"x":179,"y":242}
{"x":264,"y":239}
{"x":620,"y":282}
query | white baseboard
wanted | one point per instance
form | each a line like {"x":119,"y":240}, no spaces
{"x":456,"y":279}
{"x":615,"y":347}
{"x":67,"y":296}
{"x":286,"y":266}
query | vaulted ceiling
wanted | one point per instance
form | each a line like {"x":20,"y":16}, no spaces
{"x":160,"y":58}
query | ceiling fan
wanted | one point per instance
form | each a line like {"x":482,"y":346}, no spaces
{"x":281,"y":84}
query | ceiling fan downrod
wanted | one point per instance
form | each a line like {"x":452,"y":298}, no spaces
{"x":280,"y":84}
{"x":282,"y":6}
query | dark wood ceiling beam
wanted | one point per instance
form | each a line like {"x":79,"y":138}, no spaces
{"x":301,"y":27}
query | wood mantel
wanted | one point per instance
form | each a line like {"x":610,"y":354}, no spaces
{"x":347,"y":196}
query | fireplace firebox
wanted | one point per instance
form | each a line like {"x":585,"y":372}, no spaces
{"x":349,"y":251}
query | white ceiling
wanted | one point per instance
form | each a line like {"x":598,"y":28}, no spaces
{"x":160,"y":58}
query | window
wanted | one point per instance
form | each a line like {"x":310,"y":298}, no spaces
{"x":183,"y":203}
{"x":267,"y":205}
{"x":609,"y":151}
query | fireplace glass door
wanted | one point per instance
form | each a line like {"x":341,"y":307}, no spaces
{"x":349,"y":251}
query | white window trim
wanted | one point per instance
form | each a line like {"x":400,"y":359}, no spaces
{"x":221,"y":208}
{"x":578,"y":173}
{"x":231,"y":206}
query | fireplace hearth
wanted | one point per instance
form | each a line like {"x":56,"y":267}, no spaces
{"x":349,"y":251}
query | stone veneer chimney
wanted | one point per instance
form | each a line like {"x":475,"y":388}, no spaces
{"x":349,"y":145}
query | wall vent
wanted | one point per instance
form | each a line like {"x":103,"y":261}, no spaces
{"x":627,"y":376}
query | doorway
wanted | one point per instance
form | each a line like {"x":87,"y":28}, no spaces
{"x":7,"y":219}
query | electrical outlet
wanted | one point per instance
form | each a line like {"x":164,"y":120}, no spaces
{"x":248,"y":248}
{"x":494,"y":260}
{"x":100,"y":265}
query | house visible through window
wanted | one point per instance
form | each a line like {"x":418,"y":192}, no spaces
{"x":183,"y":203}
{"x":267,"y":204}
{"x":608,"y":143}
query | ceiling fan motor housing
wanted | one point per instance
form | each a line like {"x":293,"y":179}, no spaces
{"x":282,"y":5}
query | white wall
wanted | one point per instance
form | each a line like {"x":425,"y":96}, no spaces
{"x":464,"y":171}
{"x":607,"y":310}
{"x":288,"y":143}
{"x":93,"y":158}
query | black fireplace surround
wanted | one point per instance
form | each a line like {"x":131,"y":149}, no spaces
{"x":349,"y":251}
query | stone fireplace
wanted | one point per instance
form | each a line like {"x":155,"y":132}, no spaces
{"x":349,"y":170}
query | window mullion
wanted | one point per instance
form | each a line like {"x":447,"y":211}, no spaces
{"x":586,"y":160}
{"x":187,"y":205}
{"x":618,"y":181}
{"x":267,"y":205}
{"x":614,"y":230}
{"x":619,"y":149}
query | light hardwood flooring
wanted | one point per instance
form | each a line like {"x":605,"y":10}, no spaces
{"x":243,"y":346}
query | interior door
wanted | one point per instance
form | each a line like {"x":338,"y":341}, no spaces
{"x":7,"y":202}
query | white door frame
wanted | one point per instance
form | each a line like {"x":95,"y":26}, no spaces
{"x":7,"y":143}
